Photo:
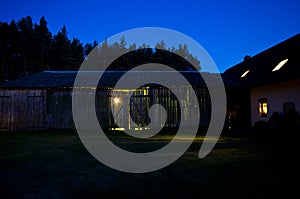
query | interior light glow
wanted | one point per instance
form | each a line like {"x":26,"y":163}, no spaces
{"x":119,"y":129}
{"x":245,"y":73}
{"x":280,"y":65}
{"x":117,"y":100}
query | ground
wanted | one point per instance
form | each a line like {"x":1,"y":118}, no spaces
{"x":56,"y":165}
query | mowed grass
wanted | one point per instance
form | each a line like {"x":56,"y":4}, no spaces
{"x":56,"y":165}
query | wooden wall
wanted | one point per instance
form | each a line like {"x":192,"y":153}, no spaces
{"x":46,"y":109}
{"x":58,"y":109}
{"x":22,"y":109}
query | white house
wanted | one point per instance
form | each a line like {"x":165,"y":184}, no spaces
{"x":273,"y":79}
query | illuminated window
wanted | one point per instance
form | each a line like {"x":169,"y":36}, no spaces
{"x":280,"y":65}
{"x":263,"y":107}
{"x":245,"y":73}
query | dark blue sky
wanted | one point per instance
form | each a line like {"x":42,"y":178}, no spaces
{"x":228,"y":30}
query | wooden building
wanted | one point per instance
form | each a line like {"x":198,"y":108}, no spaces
{"x":43,"y":101}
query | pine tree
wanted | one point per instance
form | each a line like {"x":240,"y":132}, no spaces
{"x":61,"y":50}
{"x":26,"y":31}
{"x":88,"y":47}
{"x":44,"y":42}
{"x":77,"y":54}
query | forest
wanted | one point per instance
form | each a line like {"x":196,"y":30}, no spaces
{"x":27,"y":48}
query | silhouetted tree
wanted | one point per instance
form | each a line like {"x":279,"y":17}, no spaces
{"x":61,"y":50}
{"x":27,"y":48}
{"x":44,"y":43}
{"x":161,"y":45}
{"x":77,"y":54}
{"x":88,"y":47}
{"x":27,"y":36}
{"x":122,"y":45}
{"x":9,"y":51}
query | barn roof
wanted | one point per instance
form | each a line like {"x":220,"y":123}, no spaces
{"x":259,"y":70}
{"x":55,"y":79}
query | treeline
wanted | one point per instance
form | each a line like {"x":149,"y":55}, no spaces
{"x":27,"y":48}
{"x":134,"y":56}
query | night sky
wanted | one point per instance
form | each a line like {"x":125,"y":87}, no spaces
{"x":228,"y":30}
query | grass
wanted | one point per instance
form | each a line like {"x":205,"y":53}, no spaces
{"x":56,"y":165}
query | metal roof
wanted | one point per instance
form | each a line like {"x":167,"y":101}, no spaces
{"x":57,"y":79}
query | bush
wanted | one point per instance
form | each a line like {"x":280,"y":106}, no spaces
{"x":288,"y":122}
{"x":261,"y":126}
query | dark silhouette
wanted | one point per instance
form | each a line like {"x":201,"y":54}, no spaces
{"x":28,"y":48}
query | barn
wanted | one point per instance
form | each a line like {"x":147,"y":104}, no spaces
{"x":37,"y":102}
{"x":43,"y":101}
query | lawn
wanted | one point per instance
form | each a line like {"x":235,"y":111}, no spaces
{"x":56,"y":165}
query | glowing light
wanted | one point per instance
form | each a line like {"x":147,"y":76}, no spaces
{"x":117,"y":100}
{"x":245,"y":73}
{"x":280,"y":65}
{"x":124,"y":90}
{"x":263,"y":109}
{"x":138,"y":129}
{"x":119,"y":129}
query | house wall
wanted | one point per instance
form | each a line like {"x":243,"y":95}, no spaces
{"x":276,"y":95}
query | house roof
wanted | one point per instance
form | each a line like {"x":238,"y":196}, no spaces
{"x":257,"y":70}
{"x":56,"y":79}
